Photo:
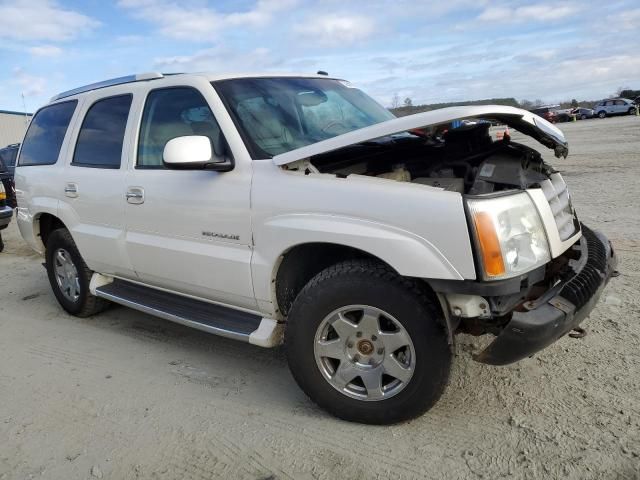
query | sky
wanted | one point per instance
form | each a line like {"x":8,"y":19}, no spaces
{"x":429,"y":51}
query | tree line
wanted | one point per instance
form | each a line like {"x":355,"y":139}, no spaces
{"x":406,"y":106}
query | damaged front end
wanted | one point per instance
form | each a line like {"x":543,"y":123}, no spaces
{"x":539,"y":272}
{"x":528,"y":313}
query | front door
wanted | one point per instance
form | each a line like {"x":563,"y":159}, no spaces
{"x":188,"y":231}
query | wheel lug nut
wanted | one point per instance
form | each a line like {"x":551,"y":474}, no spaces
{"x":380,"y":351}
{"x":358,"y":334}
{"x":350,"y":345}
{"x":374,"y":338}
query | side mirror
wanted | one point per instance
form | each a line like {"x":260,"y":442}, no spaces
{"x":193,"y":152}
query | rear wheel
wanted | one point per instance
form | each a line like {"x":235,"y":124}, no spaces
{"x":632,"y":111}
{"x":368,"y":345}
{"x":602,"y":114}
{"x":69,"y":276}
{"x":583,"y":117}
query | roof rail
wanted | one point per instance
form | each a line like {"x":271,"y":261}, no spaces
{"x":109,"y":83}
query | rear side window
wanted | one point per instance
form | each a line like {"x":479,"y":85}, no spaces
{"x":170,"y":113}
{"x":102,"y":133}
{"x":10,"y":157}
{"x":46,"y":133}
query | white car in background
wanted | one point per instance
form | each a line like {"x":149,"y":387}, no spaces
{"x":615,"y":106}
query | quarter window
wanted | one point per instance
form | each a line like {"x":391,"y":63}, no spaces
{"x":45,"y":135}
{"x":175,"y":112}
{"x":102,"y":133}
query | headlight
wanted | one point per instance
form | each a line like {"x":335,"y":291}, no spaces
{"x":509,"y":234}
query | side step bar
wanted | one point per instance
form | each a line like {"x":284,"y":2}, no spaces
{"x":205,"y":316}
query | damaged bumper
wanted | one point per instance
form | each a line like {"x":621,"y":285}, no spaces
{"x":532,"y":330}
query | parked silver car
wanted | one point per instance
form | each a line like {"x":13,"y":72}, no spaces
{"x":615,"y":106}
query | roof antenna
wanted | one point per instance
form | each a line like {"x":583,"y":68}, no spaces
{"x":322,"y":72}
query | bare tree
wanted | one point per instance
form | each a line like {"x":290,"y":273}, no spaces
{"x":408,"y":102}
{"x":395,"y":100}
{"x":526,"y":104}
{"x":620,"y":90}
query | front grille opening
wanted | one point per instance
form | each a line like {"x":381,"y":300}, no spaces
{"x":557,"y":194}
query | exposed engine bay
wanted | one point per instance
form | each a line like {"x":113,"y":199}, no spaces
{"x":465,"y":160}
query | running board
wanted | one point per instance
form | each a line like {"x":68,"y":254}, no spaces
{"x":205,"y":316}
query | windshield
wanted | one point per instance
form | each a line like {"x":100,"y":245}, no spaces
{"x":276,"y":115}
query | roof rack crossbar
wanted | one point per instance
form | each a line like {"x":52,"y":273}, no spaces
{"x":109,"y":83}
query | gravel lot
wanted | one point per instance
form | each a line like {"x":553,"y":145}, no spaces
{"x":125,"y":395}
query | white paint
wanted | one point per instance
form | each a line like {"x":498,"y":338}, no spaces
{"x":269,"y":334}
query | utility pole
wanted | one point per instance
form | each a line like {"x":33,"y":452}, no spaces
{"x":24,"y":108}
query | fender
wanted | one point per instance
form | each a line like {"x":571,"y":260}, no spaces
{"x":28,"y":220}
{"x":409,"y":254}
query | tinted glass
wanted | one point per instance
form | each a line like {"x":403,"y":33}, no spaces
{"x":8,"y":157}
{"x":46,"y":133}
{"x":276,"y":115}
{"x":170,"y":113}
{"x":102,"y":133}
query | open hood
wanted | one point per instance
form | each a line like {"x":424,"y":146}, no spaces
{"x":518,"y":119}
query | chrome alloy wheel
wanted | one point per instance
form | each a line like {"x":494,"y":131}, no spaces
{"x":364,"y":353}
{"x":66,"y":275}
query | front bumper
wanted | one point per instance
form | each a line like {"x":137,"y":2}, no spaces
{"x":5,"y":216}
{"x":530,"y":331}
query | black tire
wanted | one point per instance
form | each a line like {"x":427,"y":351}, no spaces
{"x":583,"y":117}
{"x":1,"y":243}
{"x":364,"y":282}
{"x":602,"y":114}
{"x":86,"y":304}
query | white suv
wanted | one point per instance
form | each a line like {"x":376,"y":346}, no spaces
{"x":615,"y":106}
{"x":297,"y":209}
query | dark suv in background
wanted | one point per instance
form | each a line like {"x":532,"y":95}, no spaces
{"x":7,"y":189}
{"x":548,"y":112}
{"x":8,"y":156}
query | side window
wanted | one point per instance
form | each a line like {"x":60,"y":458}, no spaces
{"x":10,"y":158}
{"x":620,"y":102}
{"x":170,"y":113}
{"x":102,"y":133}
{"x":45,"y":135}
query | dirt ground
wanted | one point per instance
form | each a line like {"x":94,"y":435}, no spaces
{"x":124,"y":395}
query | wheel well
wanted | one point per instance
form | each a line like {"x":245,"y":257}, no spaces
{"x":302,"y":262}
{"x":48,"y":223}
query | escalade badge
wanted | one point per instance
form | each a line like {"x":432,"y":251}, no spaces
{"x":224,"y":236}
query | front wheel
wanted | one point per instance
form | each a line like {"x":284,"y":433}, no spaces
{"x":602,"y":114}
{"x":368,"y":345}
{"x":632,"y":111}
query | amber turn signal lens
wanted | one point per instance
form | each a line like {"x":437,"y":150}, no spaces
{"x":489,"y":244}
{"x":3,"y":196}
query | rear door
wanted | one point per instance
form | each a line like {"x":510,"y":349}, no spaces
{"x":92,"y":205}
{"x":609,"y":107}
{"x":188,"y":231}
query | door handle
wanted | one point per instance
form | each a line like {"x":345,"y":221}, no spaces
{"x":71,"y":190}
{"x":135,"y":195}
